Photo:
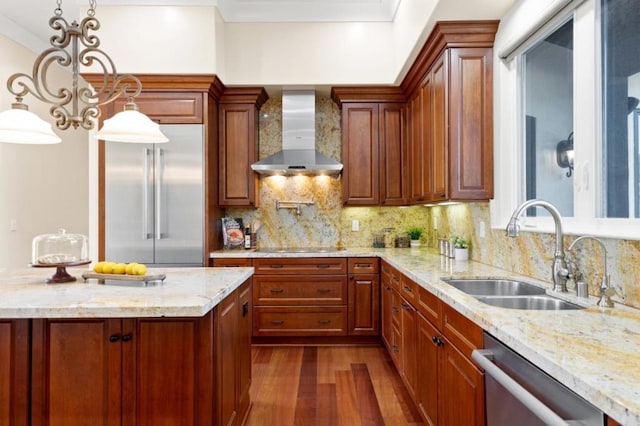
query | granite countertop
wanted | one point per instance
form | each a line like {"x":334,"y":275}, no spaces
{"x":186,"y":292}
{"x":593,"y":351}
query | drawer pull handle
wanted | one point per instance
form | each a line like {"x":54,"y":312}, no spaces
{"x":324,"y":290}
{"x":388,"y":287}
{"x":245,"y":309}
{"x":364,"y":265}
{"x":277,"y":322}
{"x":276,"y":290}
{"x":324,"y":321}
{"x":275,"y":266}
{"x":395,"y":309}
{"x":324,"y":266}
{"x":407,"y":288}
{"x":406,"y":307}
{"x":395,"y":278}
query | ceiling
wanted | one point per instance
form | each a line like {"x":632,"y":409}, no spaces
{"x":36,"y":21}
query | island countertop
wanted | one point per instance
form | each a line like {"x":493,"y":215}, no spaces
{"x":593,"y":351}
{"x":186,"y":292}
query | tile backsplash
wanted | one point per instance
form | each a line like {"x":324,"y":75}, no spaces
{"x":326,"y":223}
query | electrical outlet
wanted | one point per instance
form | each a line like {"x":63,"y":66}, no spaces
{"x":435,"y":223}
{"x":355,"y":225}
{"x":13,"y":225}
{"x":481,"y":230}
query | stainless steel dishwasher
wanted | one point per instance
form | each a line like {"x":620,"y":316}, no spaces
{"x":518,"y":392}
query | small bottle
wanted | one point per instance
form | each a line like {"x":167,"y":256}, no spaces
{"x":247,"y":237}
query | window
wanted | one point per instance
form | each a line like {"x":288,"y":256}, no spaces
{"x":567,"y":126}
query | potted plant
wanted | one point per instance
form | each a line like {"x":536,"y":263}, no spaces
{"x":460,"y":247}
{"x":414,"y":235}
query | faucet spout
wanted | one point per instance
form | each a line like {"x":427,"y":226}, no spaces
{"x":605,"y":299}
{"x":560,"y":273}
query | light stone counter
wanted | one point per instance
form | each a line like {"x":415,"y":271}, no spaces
{"x":594,"y":352}
{"x":186,"y":292}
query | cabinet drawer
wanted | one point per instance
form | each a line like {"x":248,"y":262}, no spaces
{"x":393,"y":275}
{"x":303,"y":290}
{"x":300,"y":321}
{"x":363,"y":265}
{"x":460,"y":330}
{"x":430,"y":306}
{"x":409,"y":290}
{"x":301,"y":266}
{"x":232,"y":262}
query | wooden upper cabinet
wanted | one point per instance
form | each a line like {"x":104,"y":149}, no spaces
{"x":374,"y":149}
{"x":451,"y":121}
{"x":393,"y":173}
{"x":238,"y":150}
{"x":360,"y":142}
{"x":471,"y":123}
{"x":168,"y":107}
{"x":439,"y":118}
{"x":238,"y":141}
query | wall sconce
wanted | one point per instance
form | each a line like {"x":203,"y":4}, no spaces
{"x":564,"y":154}
{"x":75,"y":106}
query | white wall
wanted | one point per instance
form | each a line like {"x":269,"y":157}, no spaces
{"x":42,"y":187}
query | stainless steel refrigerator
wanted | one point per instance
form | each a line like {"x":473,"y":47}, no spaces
{"x":154,"y":208}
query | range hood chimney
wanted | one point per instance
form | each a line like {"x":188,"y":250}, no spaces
{"x":298,"y":155}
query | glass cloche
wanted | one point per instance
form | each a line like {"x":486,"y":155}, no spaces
{"x":59,"y":249}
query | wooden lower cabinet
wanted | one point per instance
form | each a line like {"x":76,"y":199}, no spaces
{"x":433,"y":359}
{"x":144,"y":371}
{"x":386,"y":305}
{"x":14,"y":372}
{"x":364,"y":297}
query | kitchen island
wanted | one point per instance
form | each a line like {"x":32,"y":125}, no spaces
{"x":85,"y":353}
{"x":593,"y":351}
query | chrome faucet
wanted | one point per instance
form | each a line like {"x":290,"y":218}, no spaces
{"x":559,"y":271}
{"x":605,"y":290}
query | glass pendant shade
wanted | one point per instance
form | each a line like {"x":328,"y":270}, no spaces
{"x":20,"y":126}
{"x":131,"y":126}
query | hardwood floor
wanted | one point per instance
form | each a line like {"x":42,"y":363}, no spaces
{"x":325,"y":385}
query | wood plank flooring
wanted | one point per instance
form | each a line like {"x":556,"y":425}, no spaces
{"x":326,"y":385}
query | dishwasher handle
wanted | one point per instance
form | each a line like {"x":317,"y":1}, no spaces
{"x":483,"y":358}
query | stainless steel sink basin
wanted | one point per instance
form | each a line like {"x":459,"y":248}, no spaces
{"x":510,"y":294}
{"x":494,"y":287}
{"x":537,"y":302}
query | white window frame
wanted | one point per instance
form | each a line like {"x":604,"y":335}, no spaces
{"x":527,"y":23}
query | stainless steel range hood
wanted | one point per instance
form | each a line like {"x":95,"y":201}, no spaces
{"x":298,"y":155}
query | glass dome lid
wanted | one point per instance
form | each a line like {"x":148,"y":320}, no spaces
{"x":59,"y":249}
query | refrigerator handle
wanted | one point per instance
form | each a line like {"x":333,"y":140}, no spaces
{"x":159,"y":167}
{"x":146,"y":154}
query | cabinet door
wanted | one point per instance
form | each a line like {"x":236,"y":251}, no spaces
{"x":360,"y":144}
{"x":364,"y":304}
{"x":245,"y":325}
{"x":417,"y":155}
{"x":167,"y":107}
{"x":226,"y":320}
{"x":238,"y":150}
{"x":154,"y":394}
{"x":393,"y":163}
{"x":76,"y":372}
{"x":409,"y":348}
{"x":439,"y":140}
{"x":462,"y":389}
{"x":14,"y":372}
{"x":428,"y":364}
{"x":471,"y":124}
{"x":426,"y":137}
{"x":387,"y":324}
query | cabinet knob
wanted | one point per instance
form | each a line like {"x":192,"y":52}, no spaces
{"x":114,"y":338}
{"x":442,"y":194}
{"x":126,"y":337}
{"x":351,"y":277}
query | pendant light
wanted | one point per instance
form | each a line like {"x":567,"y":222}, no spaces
{"x":75,"y":106}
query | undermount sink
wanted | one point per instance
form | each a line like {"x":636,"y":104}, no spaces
{"x":510,"y":294}
{"x":533,"y":303}
{"x":494,"y":287}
